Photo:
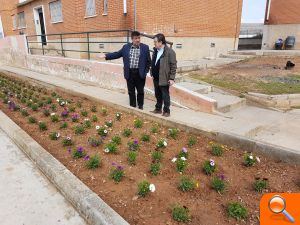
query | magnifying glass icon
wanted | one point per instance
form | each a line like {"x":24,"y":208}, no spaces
{"x":277,"y":205}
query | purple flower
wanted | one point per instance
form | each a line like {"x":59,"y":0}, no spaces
{"x":69,"y":150}
{"x":120,"y":167}
{"x":87,"y":158}
{"x":75,"y":116}
{"x":11,"y":105}
{"x":222,"y":177}
{"x":135,"y":142}
{"x":65,"y":113}
{"x":184,"y":150}
{"x":114,"y":164}
{"x":80,"y":149}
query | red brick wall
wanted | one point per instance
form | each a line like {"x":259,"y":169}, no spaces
{"x":284,"y":12}
{"x":6,"y":7}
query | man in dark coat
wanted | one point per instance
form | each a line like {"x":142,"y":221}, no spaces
{"x":137,"y":62}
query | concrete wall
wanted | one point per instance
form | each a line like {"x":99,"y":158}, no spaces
{"x":273,"y":32}
{"x":13,"y":52}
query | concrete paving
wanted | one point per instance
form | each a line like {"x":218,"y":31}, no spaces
{"x":27,"y":197}
{"x":273,"y":127}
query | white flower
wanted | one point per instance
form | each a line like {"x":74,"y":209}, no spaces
{"x":67,"y":103}
{"x":8,"y":101}
{"x":106,"y":126}
{"x":86,"y":119}
{"x":97,"y":127}
{"x":57,"y":99}
{"x":152,"y":187}
{"x":251,"y":157}
{"x":258,"y":159}
{"x":183,"y":158}
{"x":62,"y":103}
{"x":30,"y":100}
{"x":106,"y":150}
{"x":174,"y":159}
{"x":69,"y":138}
{"x":105,"y":131}
{"x":165,"y":143}
{"x":57,"y":135}
{"x":52,"y":114}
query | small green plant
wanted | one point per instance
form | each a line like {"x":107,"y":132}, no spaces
{"x":111,"y":148}
{"x":162,"y":143}
{"x":173,"y":133}
{"x":143,"y":188}
{"x":209,"y":167}
{"x":48,"y":101}
{"x":64,"y":125}
{"x":260,"y":184}
{"x":104,"y":111}
{"x":31,"y":119}
{"x":78,"y":104}
{"x":93,"y":162}
{"x":79,"y":153}
{"x":118,"y":116}
{"x":138,"y":123}
{"x":217,"y":149}
{"x":67,"y":141}
{"x":131,"y":157}
{"x":94,"y":118}
{"x":109,"y":123}
{"x":24,"y":112}
{"x":102,"y":131}
{"x":34,"y":107}
{"x":237,"y":211}
{"x":72,"y":108}
{"x":117,"y":173}
{"x":42,"y":126}
{"x":186,"y":184}
{"x":183,"y":153}
{"x":46,"y":112}
{"x":79,"y":129}
{"x":116,"y":139}
{"x":84,"y":113}
{"x":127,"y":132}
{"x":94,"y":108}
{"x":75,"y":117}
{"x":133,"y":145}
{"x":181,"y":164}
{"x":156,"y":156}
{"x":87,"y":123}
{"x":53,"y":107}
{"x":95,"y":142}
{"x":249,"y":159}
{"x":54,"y":117}
{"x":218,"y":184}
{"x":192,"y":141}
{"x":155,"y":128}
{"x":54,"y":136}
{"x":145,"y":137}
{"x":155,"y":168}
{"x":181,"y":214}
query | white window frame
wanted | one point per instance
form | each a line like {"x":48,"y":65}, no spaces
{"x":1,"y":28}
{"x":18,"y":21}
{"x":93,"y":3}
{"x":15,"y":22}
{"x":60,"y":20}
{"x":105,"y":7}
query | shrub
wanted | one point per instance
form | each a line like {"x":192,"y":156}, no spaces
{"x":133,"y":145}
{"x":104,"y":111}
{"x":180,"y":214}
{"x":260,"y":185}
{"x":102,"y":131}
{"x":249,"y":159}
{"x":53,"y":107}
{"x":79,"y":129}
{"x":116,"y":139}
{"x":237,"y":211}
{"x":209,"y":167}
{"x":94,"y":108}
{"x":42,"y":126}
{"x":64,"y":113}
{"x":84,"y":113}
{"x":54,"y":136}
{"x":111,"y":148}
{"x":94,"y":118}
{"x":48,"y":101}
{"x":31,"y":119}
{"x":155,"y":168}
{"x":24,"y":112}
{"x":155,"y":128}
{"x":131,"y":157}
{"x":217,"y":149}
{"x":53,"y":94}
{"x":145,"y":138}
{"x":64,"y":125}
{"x":117,"y":173}
{"x":127,"y":132}
{"x":173,"y":133}
{"x":67,"y":141}
{"x":54,"y":118}
{"x":87,"y":123}
{"x":156,"y":156}
{"x":79,"y":153}
{"x":181,"y":164}
{"x":183,"y":153}
{"x":93,"y":162}
{"x":118,"y":116}
{"x":94,"y":142}
{"x":162,"y":143}
{"x":138,"y":123}
{"x":46,"y":112}
{"x":34,"y":107}
{"x":109,"y":123}
{"x":143,"y":188}
{"x":192,"y":141}
{"x":78,"y":104}
{"x":75,"y":117}
{"x":72,"y":108}
{"x":218,"y":184}
{"x":186,"y":184}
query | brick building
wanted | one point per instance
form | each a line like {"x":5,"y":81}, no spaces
{"x":198,"y":28}
{"x":282,"y":19}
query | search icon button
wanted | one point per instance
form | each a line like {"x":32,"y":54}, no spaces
{"x":277,"y":205}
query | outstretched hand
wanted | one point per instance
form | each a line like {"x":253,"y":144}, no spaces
{"x":101,"y":56}
{"x":171,"y":82}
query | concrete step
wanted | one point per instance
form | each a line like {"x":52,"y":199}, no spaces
{"x":236,"y":56}
{"x":199,"y":88}
{"x":226,"y":102}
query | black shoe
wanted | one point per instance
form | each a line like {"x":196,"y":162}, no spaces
{"x":166,"y":114}
{"x":141,"y":107}
{"x":156,"y":111}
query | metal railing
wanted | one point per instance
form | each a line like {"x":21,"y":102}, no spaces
{"x":87,"y":35}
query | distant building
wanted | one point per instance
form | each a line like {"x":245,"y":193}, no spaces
{"x":198,"y":28}
{"x":282,"y":20}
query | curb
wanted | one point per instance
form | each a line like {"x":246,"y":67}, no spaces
{"x":90,"y":206}
{"x":233,"y":140}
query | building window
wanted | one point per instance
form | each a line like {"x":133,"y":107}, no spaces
{"x":105,"y":7}
{"x":56,"y":11}
{"x":15,"y":25}
{"x":21,"y":22}
{"x":90,"y":8}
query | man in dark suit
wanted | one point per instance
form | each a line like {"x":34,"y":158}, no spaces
{"x":137,"y":62}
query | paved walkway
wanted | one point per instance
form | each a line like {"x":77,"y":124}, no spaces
{"x":270,"y":126}
{"x":27,"y":197}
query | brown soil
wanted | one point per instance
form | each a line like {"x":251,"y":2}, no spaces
{"x":206,"y":206}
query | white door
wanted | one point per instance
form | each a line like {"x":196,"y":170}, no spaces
{"x":1,"y":29}
{"x":39,"y":22}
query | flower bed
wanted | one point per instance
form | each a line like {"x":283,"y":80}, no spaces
{"x":148,"y":173}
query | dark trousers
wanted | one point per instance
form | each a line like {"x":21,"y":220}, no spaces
{"x":135,"y":82}
{"x":162,"y":96}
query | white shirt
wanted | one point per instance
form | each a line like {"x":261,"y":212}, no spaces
{"x":159,"y":54}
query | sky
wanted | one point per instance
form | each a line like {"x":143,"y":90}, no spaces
{"x":253,"y":11}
